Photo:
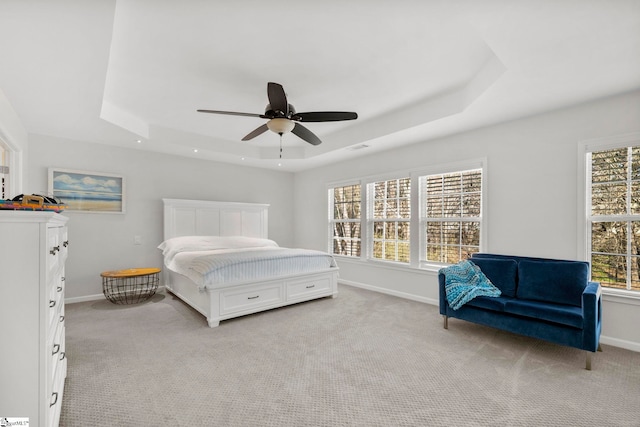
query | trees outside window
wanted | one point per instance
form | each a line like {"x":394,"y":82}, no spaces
{"x":391,"y":215}
{"x":345,"y":221}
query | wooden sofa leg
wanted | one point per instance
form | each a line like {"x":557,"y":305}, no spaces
{"x":588,"y":367}
{"x":599,"y":347}
{"x":446,"y":322}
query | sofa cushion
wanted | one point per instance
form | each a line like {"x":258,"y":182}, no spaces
{"x":489,"y":303}
{"x":501,"y":272}
{"x":556,"y":313}
{"x":560,"y":282}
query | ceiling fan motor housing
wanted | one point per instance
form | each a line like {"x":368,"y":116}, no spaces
{"x":271,"y":113}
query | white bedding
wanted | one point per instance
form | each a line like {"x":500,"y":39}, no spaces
{"x":212,"y":263}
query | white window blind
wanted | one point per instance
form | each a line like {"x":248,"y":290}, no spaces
{"x":450,"y":215}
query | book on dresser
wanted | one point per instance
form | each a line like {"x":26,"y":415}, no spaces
{"x":33,"y":363}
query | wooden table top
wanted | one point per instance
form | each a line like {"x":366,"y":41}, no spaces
{"x":130,"y":272}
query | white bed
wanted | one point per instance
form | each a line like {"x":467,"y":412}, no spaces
{"x":227,"y":299}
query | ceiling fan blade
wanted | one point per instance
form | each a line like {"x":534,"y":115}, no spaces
{"x":233,"y":113}
{"x":258,"y":131}
{"x":277,"y":98}
{"x":305,"y":134}
{"x":324,"y":116}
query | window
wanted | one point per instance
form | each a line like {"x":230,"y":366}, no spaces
{"x":376,"y":220}
{"x":390,"y":219}
{"x":613,"y":220}
{"x":345,"y":205}
{"x":451,"y":215}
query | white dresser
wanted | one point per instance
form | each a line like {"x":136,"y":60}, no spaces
{"x":33,"y":366}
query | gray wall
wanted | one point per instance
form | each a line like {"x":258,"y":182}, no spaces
{"x":531,"y":204}
{"x":531,"y":201}
{"x":100,"y":241}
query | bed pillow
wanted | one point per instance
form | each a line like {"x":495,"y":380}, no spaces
{"x":175,"y":245}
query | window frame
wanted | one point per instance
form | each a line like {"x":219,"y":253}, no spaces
{"x":5,"y":176}
{"x":424,"y":219}
{"x":372,"y":219}
{"x":586,"y":219}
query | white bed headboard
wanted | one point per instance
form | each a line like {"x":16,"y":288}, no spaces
{"x":206,"y":218}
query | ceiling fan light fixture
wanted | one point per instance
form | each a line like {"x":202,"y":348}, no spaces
{"x":280,"y":125}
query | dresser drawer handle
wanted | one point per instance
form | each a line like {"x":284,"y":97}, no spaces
{"x":311,"y":286}
{"x":54,"y":249}
{"x":257,"y":296}
{"x":59,"y":289}
{"x":63,"y":279}
{"x":56,"y":349}
{"x":55,"y":398}
{"x":66,"y":243}
{"x":63,"y":355}
{"x":61,"y":319}
{"x":52,"y":303}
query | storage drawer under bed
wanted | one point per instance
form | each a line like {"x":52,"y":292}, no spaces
{"x":302,"y":289}
{"x":250,"y":298}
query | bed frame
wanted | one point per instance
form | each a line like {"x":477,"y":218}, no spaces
{"x":207,"y":218}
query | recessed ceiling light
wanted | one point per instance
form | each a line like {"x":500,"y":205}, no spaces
{"x":195,"y":150}
{"x":139,"y":141}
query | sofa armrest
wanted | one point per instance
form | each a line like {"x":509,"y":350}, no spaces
{"x":443,"y":294}
{"x":592,"y":315}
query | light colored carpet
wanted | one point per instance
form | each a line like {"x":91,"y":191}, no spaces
{"x":361,"y":359}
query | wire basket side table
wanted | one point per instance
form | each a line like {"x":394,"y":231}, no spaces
{"x":130,"y":286}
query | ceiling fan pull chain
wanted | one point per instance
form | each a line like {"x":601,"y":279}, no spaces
{"x":281,"y":146}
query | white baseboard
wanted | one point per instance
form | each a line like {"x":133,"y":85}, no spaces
{"x":84,"y":298}
{"x":95,"y":297}
{"x":390,"y":292}
{"x":615,"y":342}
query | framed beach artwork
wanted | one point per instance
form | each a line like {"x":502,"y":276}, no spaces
{"x":88,"y":191}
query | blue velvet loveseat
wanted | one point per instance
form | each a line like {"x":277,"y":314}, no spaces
{"x":541,"y":298}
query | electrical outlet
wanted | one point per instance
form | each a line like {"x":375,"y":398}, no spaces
{"x":137,"y":240}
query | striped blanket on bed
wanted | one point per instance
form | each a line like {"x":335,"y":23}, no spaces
{"x":213,"y":269}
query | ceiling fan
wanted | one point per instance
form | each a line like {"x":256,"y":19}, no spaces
{"x":283,"y":117}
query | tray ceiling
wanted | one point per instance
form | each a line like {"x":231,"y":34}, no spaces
{"x":119,"y":72}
